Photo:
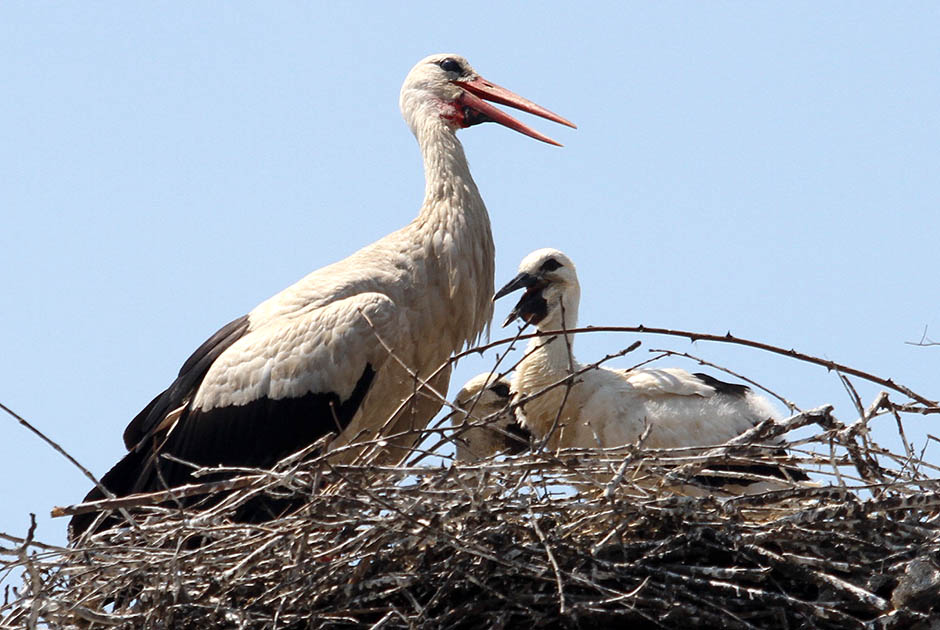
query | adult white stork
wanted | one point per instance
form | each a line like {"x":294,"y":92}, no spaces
{"x":606,"y":407}
{"x":337,"y":351}
{"x":487,"y":425}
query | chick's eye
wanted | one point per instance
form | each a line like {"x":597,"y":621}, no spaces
{"x":500,"y":389}
{"x":550,"y":265}
{"x":450,"y":65}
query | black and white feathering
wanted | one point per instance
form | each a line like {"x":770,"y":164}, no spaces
{"x":314,"y":359}
{"x":608,"y":407}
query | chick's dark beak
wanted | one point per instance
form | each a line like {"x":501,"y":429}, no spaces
{"x":522,"y":281}
{"x":531,"y":307}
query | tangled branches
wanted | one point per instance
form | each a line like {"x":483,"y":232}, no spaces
{"x":563,"y":539}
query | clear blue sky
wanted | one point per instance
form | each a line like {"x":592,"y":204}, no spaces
{"x":771,"y":169}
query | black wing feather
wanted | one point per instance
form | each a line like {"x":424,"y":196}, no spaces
{"x":189,"y":378}
{"x":766,"y":470}
{"x":729,"y":389}
{"x":257,"y":435}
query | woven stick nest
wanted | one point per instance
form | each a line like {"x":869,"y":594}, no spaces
{"x":569,"y":539}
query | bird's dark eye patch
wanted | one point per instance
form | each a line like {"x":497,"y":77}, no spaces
{"x":450,"y":65}
{"x":500,"y":389}
{"x":550,"y":265}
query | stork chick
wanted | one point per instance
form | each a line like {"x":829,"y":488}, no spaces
{"x":607,"y":407}
{"x":483,"y":404}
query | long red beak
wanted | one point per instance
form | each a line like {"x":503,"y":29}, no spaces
{"x":475,"y":90}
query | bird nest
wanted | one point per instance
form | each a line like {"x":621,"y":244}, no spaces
{"x":569,"y":539}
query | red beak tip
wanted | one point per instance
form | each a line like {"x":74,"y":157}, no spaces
{"x":483,"y":90}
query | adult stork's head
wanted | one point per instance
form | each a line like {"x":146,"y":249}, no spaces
{"x":552,"y":292}
{"x":483,"y":402}
{"x":445,"y":87}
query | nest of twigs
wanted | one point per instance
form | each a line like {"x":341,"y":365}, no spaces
{"x":555,"y":540}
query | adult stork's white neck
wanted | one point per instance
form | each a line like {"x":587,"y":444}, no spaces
{"x":441,"y":95}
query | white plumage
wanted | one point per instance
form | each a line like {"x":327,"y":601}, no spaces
{"x":606,"y":407}
{"x":315,"y":357}
{"x":487,"y":424}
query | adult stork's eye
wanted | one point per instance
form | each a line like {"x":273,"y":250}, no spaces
{"x":450,"y":65}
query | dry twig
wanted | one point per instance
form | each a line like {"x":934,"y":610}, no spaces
{"x":509,"y":542}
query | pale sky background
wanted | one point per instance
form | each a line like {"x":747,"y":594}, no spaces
{"x":771,"y":169}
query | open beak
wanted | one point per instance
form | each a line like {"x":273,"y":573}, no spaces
{"x":478,"y":90}
{"x":531,"y":306}
{"x":522,"y":281}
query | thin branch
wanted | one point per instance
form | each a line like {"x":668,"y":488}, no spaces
{"x":127,"y":517}
{"x":726,"y":338}
{"x":924,"y":340}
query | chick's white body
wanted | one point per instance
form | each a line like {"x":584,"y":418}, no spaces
{"x":606,"y":407}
